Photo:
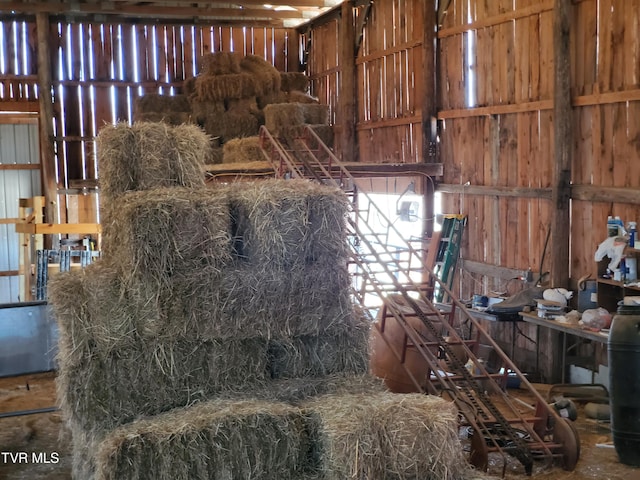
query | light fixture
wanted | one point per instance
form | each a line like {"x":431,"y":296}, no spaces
{"x":407,"y":210}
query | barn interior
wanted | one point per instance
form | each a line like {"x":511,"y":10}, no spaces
{"x":319,"y":239}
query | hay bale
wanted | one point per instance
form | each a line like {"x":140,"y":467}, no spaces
{"x":384,"y":435}
{"x":238,"y":125}
{"x":107,"y":379}
{"x":266,"y":303}
{"x":201,"y":109}
{"x":325,"y":132}
{"x":235,"y":440}
{"x":170,"y":118}
{"x":275,"y":97}
{"x":157,"y":234}
{"x":146,"y":155}
{"x":215,"y":157}
{"x":342,"y":349}
{"x":223,"y":87}
{"x":279,"y":117}
{"x":189,"y":86}
{"x":156,"y":103}
{"x":266,"y":76}
{"x":231,"y":125}
{"x":284,"y":223}
{"x":296,"y":96}
{"x":240,"y":150}
{"x":290,"y":81}
{"x":242,"y":105}
{"x":219,"y":63}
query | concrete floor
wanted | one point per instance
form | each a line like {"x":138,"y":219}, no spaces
{"x":45,"y":435}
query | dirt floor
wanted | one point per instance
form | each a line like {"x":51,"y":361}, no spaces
{"x":36,"y":447}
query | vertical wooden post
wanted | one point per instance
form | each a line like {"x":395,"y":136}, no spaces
{"x":47,"y":153}
{"x":563,"y":140}
{"x":347,"y":99}
{"x":293,"y":50}
{"x":429,"y":107}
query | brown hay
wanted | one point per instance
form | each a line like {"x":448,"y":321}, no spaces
{"x":242,"y":105}
{"x":156,"y":103}
{"x":234,"y":440}
{"x":325,"y":132}
{"x":266,"y":76}
{"x":256,"y":301}
{"x":343,"y":349}
{"x":275,"y":97}
{"x":286,"y":223}
{"x":296,"y":96}
{"x":215,"y":157}
{"x":239,"y":150}
{"x":170,"y":118}
{"x":107,"y":378}
{"x":189,"y":86}
{"x":157,"y":234}
{"x":280,"y":117}
{"x":231,"y":125}
{"x":202,"y":108}
{"x":238,"y":125}
{"x":385,"y":435}
{"x":149,"y":155}
{"x":224,"y":87}
{"x":290,"y":81}
{"x":219,"y":63}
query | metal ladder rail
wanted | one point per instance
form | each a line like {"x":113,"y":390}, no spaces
{"x":474,"y":396}
{"x":345,"y":174}
{"x":283,"y":163}
{"x":520,"y":419}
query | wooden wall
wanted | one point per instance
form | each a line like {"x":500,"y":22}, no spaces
{"x":389,"y":79}
{"x":98,"y":69}
{"x":497,"y":127}
{"x":497,"y":137}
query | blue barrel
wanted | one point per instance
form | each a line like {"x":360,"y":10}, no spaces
{"x":624,"y":383}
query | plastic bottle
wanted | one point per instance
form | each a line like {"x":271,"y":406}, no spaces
{"x":633,"y":231}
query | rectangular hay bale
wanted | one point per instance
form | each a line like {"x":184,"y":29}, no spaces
{"x":385,"y":435}
{"x":341,"y":349}
{"x":159,"y":233}
{"x":231,"y":440}
{"x":280,"y":116}
{"x":287,"y":223}
{"x":239,"y":150}
{"x":148,"y":155}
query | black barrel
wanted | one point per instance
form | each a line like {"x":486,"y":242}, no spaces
{"x":624,"y":383}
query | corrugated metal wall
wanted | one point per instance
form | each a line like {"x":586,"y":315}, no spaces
{"x":18,"y":149}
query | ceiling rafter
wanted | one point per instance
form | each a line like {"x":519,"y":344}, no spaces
{"x":244,"y":12}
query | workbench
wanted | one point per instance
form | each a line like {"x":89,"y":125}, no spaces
{"x":565,"y":329}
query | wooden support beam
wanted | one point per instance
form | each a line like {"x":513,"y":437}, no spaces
{"x":495,"y":191}
{"x":563,"y":143}
{"x":47,"y":153}
{"x":429,"y":106}
{"x":348,"y":92}
{"x":596,"y":193}
{"x":58,"y":228}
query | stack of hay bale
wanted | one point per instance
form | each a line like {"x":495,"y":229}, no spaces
{"x":230,"y":99}
{"x":216,"y":339}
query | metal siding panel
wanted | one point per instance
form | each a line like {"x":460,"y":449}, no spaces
{"x":18,"y":144}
